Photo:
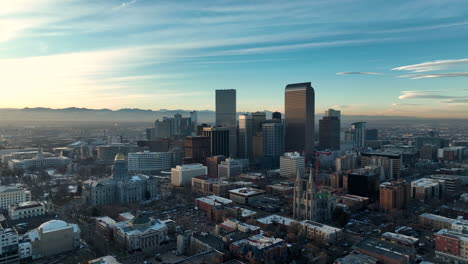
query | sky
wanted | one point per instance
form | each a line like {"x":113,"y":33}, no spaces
{"x":372,"y":57}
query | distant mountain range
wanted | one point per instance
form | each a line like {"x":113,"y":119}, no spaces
{"x":134,"y":115}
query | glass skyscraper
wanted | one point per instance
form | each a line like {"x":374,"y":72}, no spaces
{"x":226,"y":116}
{"x":300,"y":118}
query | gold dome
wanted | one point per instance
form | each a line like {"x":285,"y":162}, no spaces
{"x":119,"y":156}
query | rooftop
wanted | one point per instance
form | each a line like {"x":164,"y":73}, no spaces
{"x":12,"y":188}
{"x":401,"y":238}
{"x":214,"y":200}
{"x":25,"y":205}
{"x":260,"y":242}
{"x":356,"y":257}
{"x":189,"y":166}
{"x":247,"y":191}
{"x":387,"y":249}
{"x":277,"y":219}
{"x":438,"y":218}
{"x":426,"y":182}
{"x":319,"y":226}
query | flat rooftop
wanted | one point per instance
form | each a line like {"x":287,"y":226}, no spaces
{"x":247,"y":191}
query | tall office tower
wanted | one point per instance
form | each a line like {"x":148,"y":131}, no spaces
{"x":149,"y":162}
{"x":276,"y":116}
{"x":292,"y":164}
{"x":300,"y":118}
{"x":359,"y":134}
{"x":372,"y":134}
{"x":245,"y":136}
{"x":390,"y":164}
{"x":329,"y":130}
{"x":219,"y":140}
{"x":197,"y":149}
{"x":212,"y":163}
{"x":230,"y":168}
{"x":226,"y":116}
{"x":273,"y":141}
{"x":258,"y":118}
{"x":163,"y":129}
{"x":194,"y":121}
{"x":333,"y":113}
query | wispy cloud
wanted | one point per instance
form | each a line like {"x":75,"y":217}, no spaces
{"x":347,"y":106}
{"x":461,"y":100}
{"x":448,"y":96}
{"x":434,"y":75}
{"x":349,"y":73}
{"x":422,"y":95}
{"x":433,"y":65}
{"x":126,"y":4}
{"x":405,"y":104}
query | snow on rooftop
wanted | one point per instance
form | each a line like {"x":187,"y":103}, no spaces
{"x":259,"y":241}
{"x":53,"y":225}
{"x":276,"y":219}
{"x":247,"y":191}
{"x":214,"y":200}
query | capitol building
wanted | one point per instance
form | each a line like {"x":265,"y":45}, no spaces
{"x":120,"y":187}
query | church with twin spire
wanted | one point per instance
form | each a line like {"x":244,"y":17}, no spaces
{"x":310,"y":204}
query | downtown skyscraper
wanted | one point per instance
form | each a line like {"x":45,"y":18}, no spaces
{"x":226,"y":116}
{"x":300,"y":118}
{"x":329,"y":130}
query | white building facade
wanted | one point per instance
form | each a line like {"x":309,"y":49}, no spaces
{"x":182,"y":175}
{"x":149,"y":162}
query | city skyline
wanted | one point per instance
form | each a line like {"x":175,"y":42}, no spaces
{"x":396,"y":59}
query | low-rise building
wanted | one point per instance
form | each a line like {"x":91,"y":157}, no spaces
{"x":103,"y":260}
{"x":203,"y":184}
{"x":149,"y":162}
{"x":275,"y":220}
{"x":427,"y":189}
{"x":12,"y":194}
{"x":260,"y":249}
{"x":209,"y":205}
{"x":26,"y":209}
{"x":453,"y":183}
{"x":356,"y":257}
{"x":54,"y":237}
{"x":354,"y":202}
{"x":39,"y":162}
{"x":245,"y":195}
{"x":451,"y":247}
{"x":9,"y":250}
{"x":140,"y":233}
{"x":182,"y":175}
{"x":436,"y":222}
{"x":400,"y":239}
{"x":230,"y":168}
{"x":105,"y":227}
{"x":320,"y":232}
{"x":386,"y":252}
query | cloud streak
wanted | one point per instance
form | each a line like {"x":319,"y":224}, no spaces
{"x":434,"y":75}
{"x":366,"y":73}
{"x":432,"y":95}
{"x":433,"y":66}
